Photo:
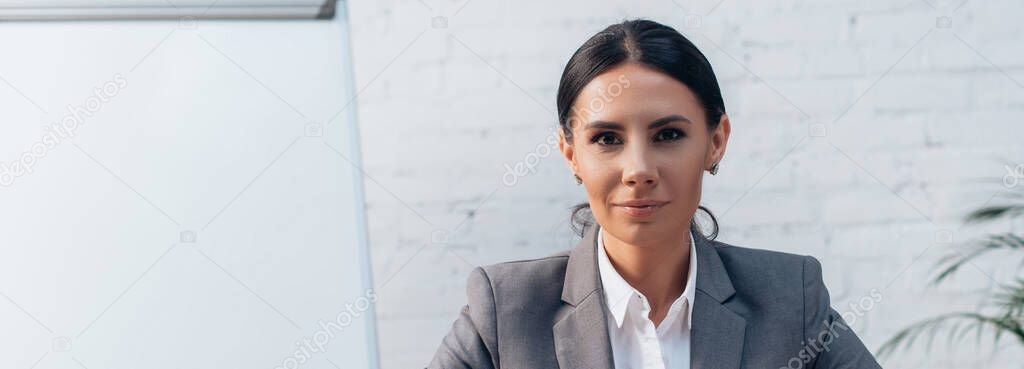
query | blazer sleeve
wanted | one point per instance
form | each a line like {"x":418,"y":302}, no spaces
{"x":472,"y":341}
{"x":829,"y":341}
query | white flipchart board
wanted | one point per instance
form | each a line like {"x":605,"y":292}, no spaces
{"x":181,"y":194}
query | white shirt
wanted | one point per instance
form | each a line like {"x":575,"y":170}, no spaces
{"x":636,"y":343}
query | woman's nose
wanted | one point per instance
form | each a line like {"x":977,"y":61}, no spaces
{"x":638,"y":168}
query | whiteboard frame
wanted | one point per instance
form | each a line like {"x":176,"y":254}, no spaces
{"x":57,"y":12}
{"x":355,"y":156}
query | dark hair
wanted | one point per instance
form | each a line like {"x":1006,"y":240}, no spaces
{"x":653,"y":45}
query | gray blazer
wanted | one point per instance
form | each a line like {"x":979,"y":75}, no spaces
{"x":753,"y":309}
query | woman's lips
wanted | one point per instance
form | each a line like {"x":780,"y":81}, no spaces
{"x":641,"y":211}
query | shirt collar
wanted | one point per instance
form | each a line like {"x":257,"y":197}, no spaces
{"x":618,"y":292}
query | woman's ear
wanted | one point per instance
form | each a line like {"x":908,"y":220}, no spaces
{"x":719,"y":139}
{"x":568,"y":151}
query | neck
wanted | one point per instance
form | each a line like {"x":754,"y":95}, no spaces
{"x":657,"y":269}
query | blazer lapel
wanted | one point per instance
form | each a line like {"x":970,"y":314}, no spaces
{"x":581,"y":335}
{"x":717,"y":333}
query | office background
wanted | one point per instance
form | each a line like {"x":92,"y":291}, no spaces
{"x":863,"y":132}
{"x":208,"y":210}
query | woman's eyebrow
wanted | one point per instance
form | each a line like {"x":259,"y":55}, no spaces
{"x":602,"y":124}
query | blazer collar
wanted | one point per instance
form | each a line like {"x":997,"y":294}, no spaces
{"x":581,"y":334}
{"x":620,"y":292}
{"x":582,"y":277}
{"x":581,"y":331}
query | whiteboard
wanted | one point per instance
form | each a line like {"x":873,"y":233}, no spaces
{"x":181,"y":195}
{"x":166,"y":9}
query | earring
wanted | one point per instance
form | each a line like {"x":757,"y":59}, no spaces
{"x":578,"y":179}
{"x":714,"y":169}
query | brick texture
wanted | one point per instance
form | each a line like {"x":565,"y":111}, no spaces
{"x":862,"y":133}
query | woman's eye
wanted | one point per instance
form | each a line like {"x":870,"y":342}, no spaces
{"x":607,"y":138}
{"x":669,"y":135}
{"x":603,"y":139}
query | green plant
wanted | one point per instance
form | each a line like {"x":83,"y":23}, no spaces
{"x":1006,"y":304}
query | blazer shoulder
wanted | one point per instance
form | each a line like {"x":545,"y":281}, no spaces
{"x":543,"y":268}
{"x":763,"y":260}
{"x":754,"y":269}
{"x":537,"y":278}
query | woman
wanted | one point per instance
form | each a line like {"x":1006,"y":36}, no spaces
{"x":642,"y":118}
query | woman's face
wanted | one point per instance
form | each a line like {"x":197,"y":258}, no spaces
{"x":640,"y":135}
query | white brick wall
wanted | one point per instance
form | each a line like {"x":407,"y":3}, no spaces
{"x":929,"y":118}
